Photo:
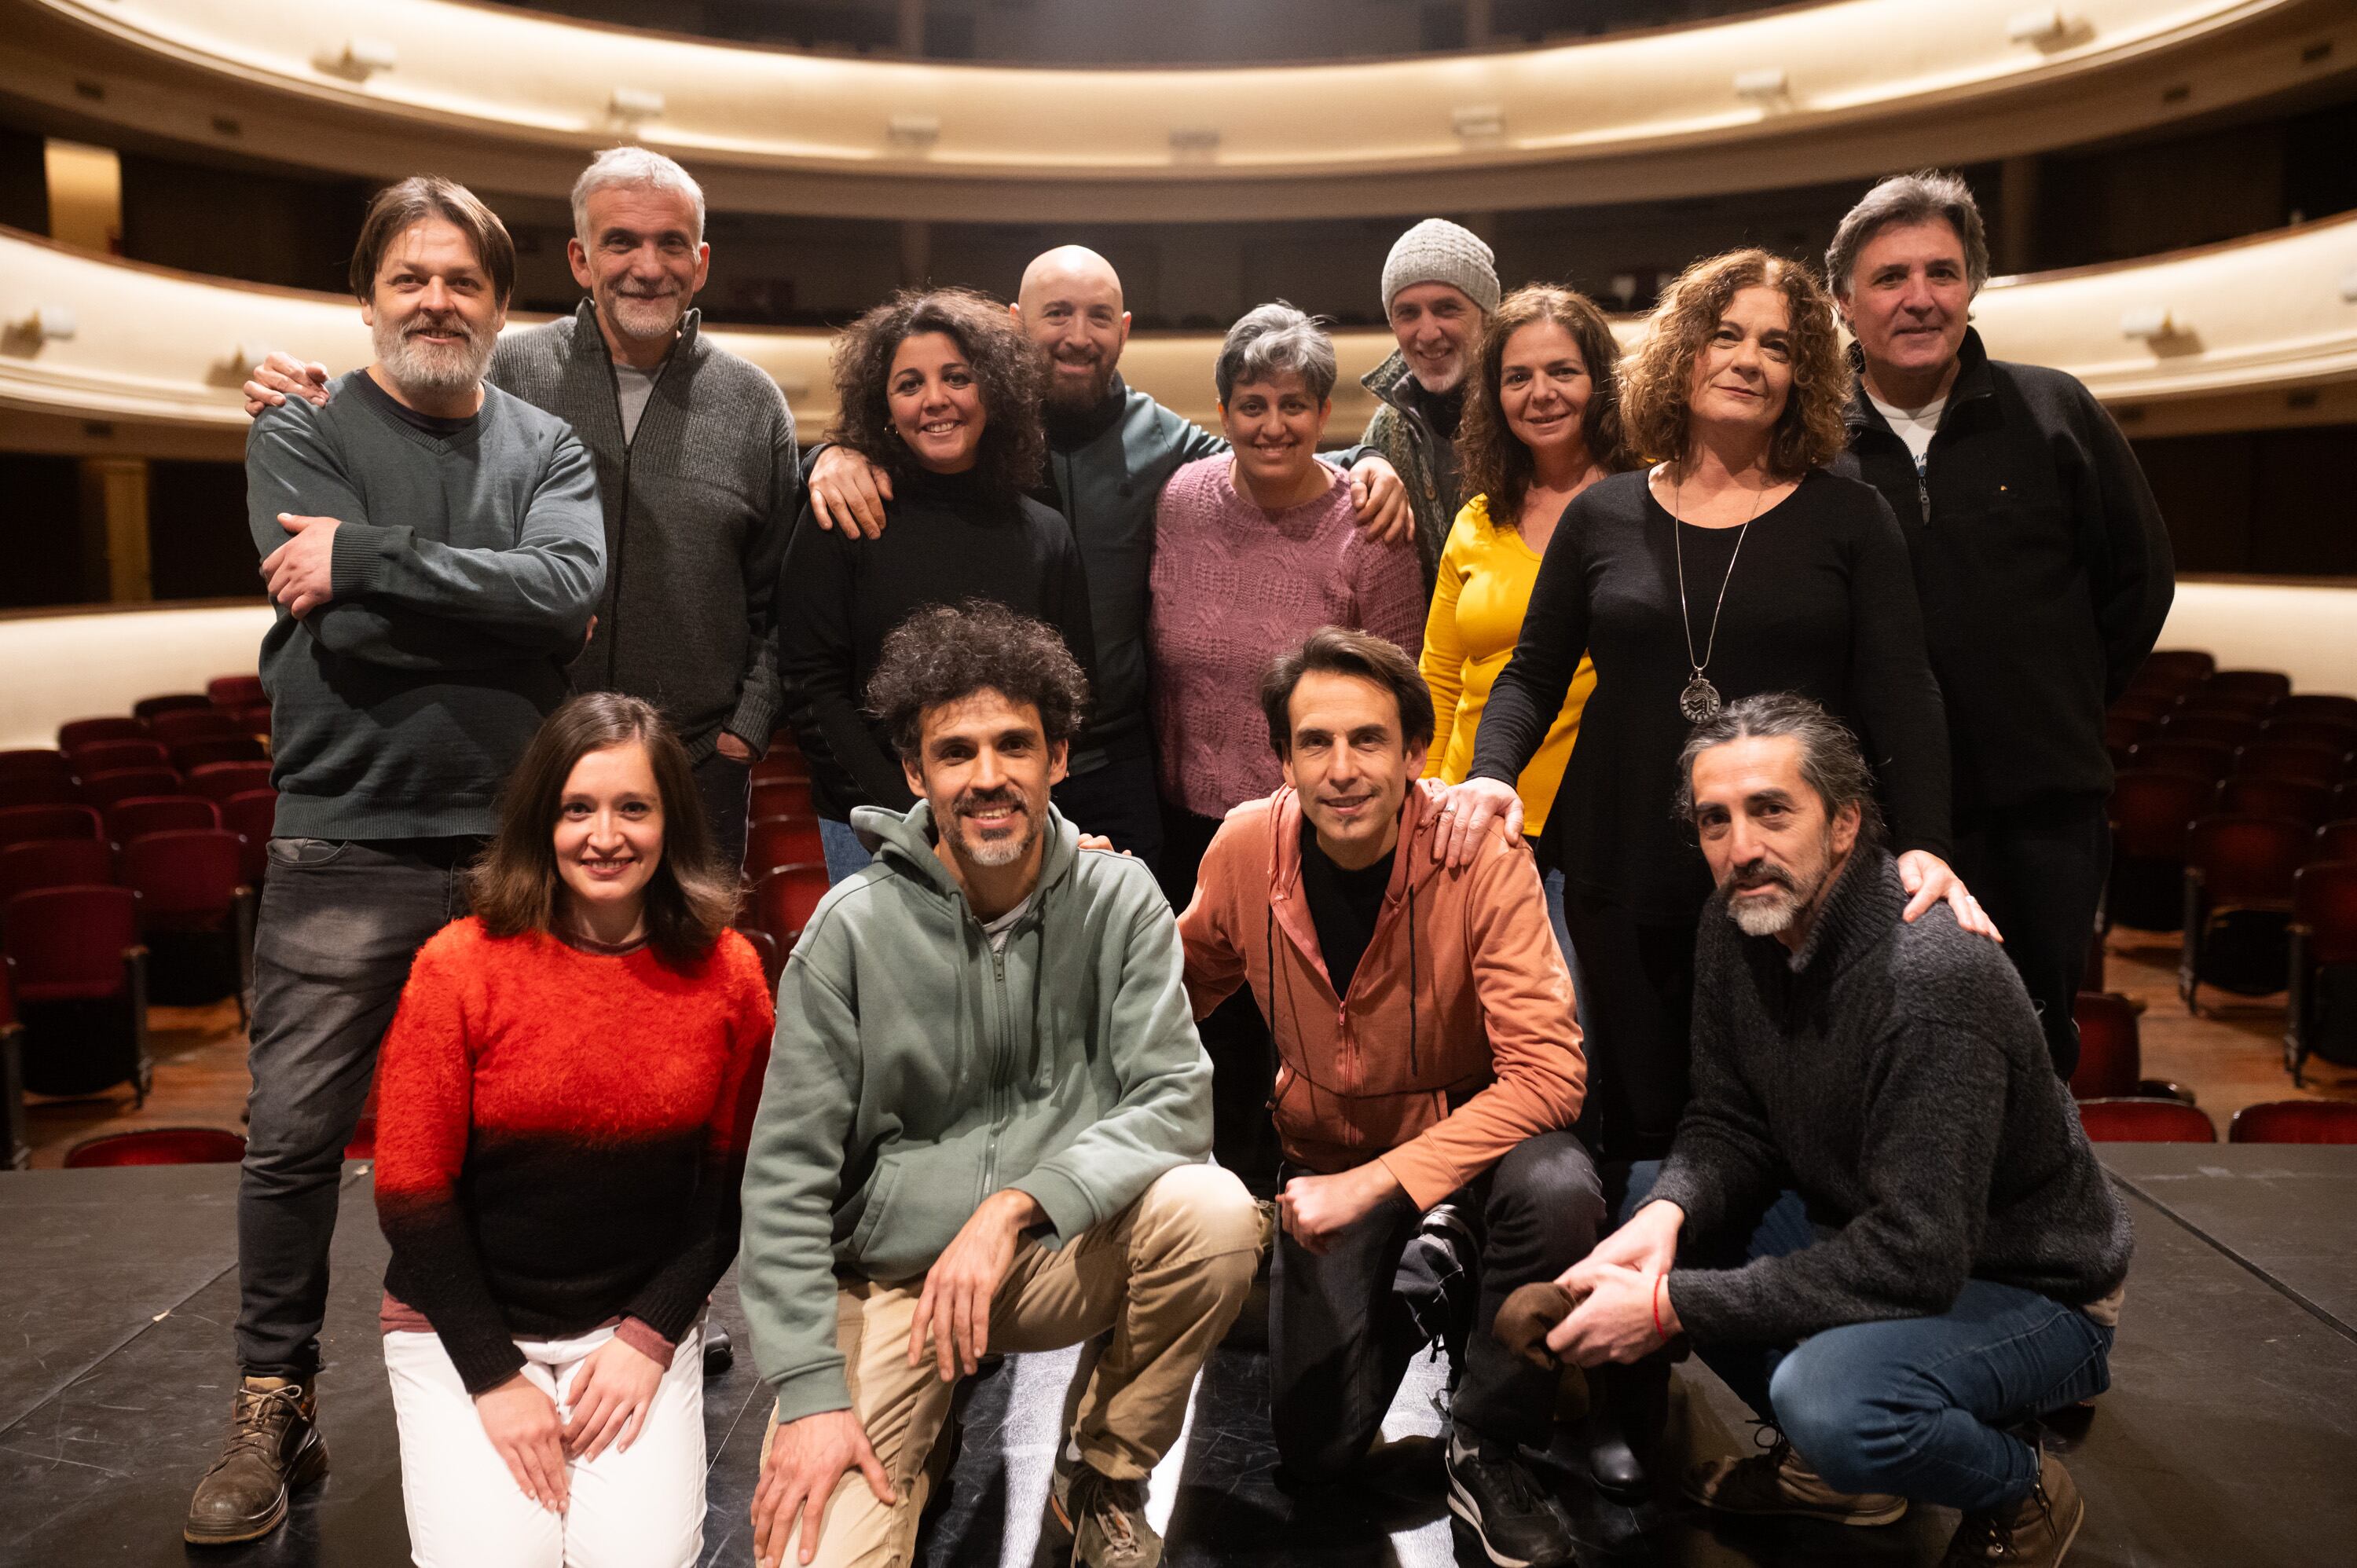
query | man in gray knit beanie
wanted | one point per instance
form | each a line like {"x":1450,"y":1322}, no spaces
{"x":1440,"y":281}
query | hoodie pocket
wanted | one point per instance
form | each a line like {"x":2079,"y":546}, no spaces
{"x":881,"y":1188}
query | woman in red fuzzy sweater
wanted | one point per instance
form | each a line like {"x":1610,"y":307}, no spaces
{"x":562,"y":1107}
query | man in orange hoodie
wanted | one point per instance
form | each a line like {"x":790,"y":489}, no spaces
{"x":1429,"y":1069}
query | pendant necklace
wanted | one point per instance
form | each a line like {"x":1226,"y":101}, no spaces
{"x":1699,"y":703}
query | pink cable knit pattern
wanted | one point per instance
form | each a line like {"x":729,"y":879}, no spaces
{"x":1233,"y":585}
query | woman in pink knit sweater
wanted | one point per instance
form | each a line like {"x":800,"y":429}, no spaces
{"x":1254,"y":550}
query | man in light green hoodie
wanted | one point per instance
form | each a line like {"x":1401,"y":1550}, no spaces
{"x":984,"y":1128}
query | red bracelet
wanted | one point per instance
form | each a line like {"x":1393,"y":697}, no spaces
{"x":1659,"y":1280}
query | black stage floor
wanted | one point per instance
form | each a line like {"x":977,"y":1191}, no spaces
{"x":2226,"y":1441}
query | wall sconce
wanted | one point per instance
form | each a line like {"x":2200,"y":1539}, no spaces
{"x":2147,"y":321}
{"x":2043,"y":25}
{"x":52,"y":323}
{"x":632,"y":104}
{"x":1624,"y":288}
{"x":360,"y":58}
{"x":2349,"y":288}
{"x":1194,"y":141}
{"x":1480,"y":122}
{"x":1769,"y":83}
{"x":913,"y":132}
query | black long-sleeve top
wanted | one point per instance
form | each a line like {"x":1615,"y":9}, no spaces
{"x":1821,"y":603}
{"x":945,"y":540}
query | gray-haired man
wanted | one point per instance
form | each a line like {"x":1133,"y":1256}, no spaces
{"x":1440,"y":283}
{"x":2040,"y":559}
{"x":697,"y":466}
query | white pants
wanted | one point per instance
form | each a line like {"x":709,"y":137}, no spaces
{"x":643,"y":1509}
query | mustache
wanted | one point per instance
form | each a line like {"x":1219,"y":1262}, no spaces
{"x":1759,"y":874}
{"x":974,"y":802}
{"x":443,"y":326}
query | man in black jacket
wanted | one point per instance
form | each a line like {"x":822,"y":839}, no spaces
{"x":2041,"y":561}
{"x":1965,"y":1260}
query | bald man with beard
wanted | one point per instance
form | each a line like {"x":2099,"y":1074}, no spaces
{"x":1110,"y":449}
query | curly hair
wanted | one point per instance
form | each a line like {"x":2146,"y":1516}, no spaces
{"x":946,"y":653}
{"x":694,"y":893}
{"x":1656,"y":389}
{"x":1011,"y":375}
{"x":1494,"y":463}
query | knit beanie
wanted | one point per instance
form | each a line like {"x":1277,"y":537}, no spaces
{"x":1437,"y":250}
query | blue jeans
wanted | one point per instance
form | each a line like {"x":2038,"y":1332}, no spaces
{"x":845,"y":854}
{"x":1553,"y":882}
{"x":1913,"y":1406}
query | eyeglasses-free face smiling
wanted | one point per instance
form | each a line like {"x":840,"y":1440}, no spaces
{"x":609,"y":833}
{"x":935,"y":403}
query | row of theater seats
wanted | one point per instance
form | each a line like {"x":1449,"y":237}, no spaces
{"x":785,"y":865}
{"x":2235,"y":823}
{"x":130,"y":858}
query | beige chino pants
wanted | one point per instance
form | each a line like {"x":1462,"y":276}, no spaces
{"x":1166,"y":1276}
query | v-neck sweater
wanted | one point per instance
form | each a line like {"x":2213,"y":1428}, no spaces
{"x":1821,"y":602}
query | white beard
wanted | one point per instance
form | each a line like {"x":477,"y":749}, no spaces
{"x":415,"y":367}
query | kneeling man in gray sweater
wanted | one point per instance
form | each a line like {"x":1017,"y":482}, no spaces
{"x":1964,"y":1262}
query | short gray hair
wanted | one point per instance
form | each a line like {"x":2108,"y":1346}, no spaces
{"x":1915,"y":197}
{"x":1831,"y":762}
{"x":1272,"y":340}
{"x":634,"y":166}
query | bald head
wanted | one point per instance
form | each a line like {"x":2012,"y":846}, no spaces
{"x":1071,"y":305}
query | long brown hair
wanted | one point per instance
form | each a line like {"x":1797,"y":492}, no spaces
{"x":691,"y":898}
{"x":1494,"y":463}
{"x":1656,"y":392}
{"x":1010,"y":377}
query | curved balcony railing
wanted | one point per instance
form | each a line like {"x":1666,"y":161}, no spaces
{"x":1815,"y":93}
{"x":2257,"y":332}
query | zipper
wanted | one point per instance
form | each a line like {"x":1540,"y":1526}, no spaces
{"x":622,"y":513}
{"x":993,"y":1100}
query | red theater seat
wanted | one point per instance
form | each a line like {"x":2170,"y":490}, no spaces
{"x":2318,"y":705}
{"x":2266,"y":686}
{"x":2238,"y":887}
{"x":21,"y":824}
{"x":158,"y":1146}
{"x":250,"y":814}
{"x":194,"y":909}
{"x":2203,"y":758}
{"x":102,"y":789}
{"x":34,"y":762}
{"x":81,"y":732}
{"x":783,"y":899}
{"x":2138,"y":1120}
{"x":54,"y":863}
{"x":2151,"y":815}
{"x":107,"y":756}
{"x":2335,"y":840}
{"x":773,"y":959}
{"x":80,"y":978}
{"x":2336,"y":734}
{"x":2321,"y":1013}
{"x":2175,"y":668}
{"x":192,"y":724}
{"x":2309,"y":764}
{"x":2111,"y":1052}
{"x":31,"y":790}
{"x":2229,"y":730}
{"x":128,"y":819}
{"x":171,"y":702}
{"x":771,"y":841}
{"x":220,"y":780}
{"x":2294,"y":1121}
{"x":233,"y":691}
{"x":187,"y":756}
{"x":2287,"y":798}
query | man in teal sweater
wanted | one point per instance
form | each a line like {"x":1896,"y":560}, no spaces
{"x":983,"y":1130}
{"x":434,"y":550}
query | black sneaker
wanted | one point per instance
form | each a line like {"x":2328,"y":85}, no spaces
{"x":1501,"y":1505}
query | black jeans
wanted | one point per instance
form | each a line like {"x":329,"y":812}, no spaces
{"x":1119,"y":800}
{"x":1637,"y":1010}
{"x":2039,"y":870}
{"x":1341,"y":1337}
{"x":341,"y":921}
{"x":726,"y":787}
{"x":1234,"y":1034}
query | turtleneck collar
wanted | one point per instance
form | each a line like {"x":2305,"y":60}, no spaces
{"x":1858,"y":912}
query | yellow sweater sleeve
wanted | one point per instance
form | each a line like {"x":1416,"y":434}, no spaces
{"x":1443,"y":660}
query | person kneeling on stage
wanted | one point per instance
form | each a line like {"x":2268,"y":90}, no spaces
{"x":983,"y":1129}
{"x":1429,"y":1067}
{"x":562,"y":1106}
{"x":1965,"y":1262}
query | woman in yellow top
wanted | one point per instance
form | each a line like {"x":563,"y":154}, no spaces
{"x":1542,"y":423}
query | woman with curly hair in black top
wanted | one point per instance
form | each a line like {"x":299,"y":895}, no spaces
{"x":1735,"y":565}
{"x":941,"y":389}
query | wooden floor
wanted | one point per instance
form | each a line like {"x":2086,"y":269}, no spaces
{"x":2232,"y":1055}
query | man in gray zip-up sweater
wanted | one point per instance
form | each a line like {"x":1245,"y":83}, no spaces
{"x":983,"y":1126}
{"x":697,"y":466}
{"x":433,"y":548}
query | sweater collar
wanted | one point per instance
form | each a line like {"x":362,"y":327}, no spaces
{"x":1857,"y":916}
{"x":588,"y":339}
{"x":1973,"y":380}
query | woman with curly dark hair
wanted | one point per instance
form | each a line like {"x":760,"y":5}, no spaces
{"x":941,"y":389}
{"x":1736,"y":565}
{"x":1542,"y":423}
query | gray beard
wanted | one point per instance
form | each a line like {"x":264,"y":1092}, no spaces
{"x":1766,"y":919}
{"x":645,"y":320}
{"x":416,"y":368}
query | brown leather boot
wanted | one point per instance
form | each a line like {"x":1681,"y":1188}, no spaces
{"x":274,"y":1446}
{"x":1780,"y":1482}
{"x":2033,"y":1534}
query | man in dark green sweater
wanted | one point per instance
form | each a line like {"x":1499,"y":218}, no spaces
{"x":1964,"y":1257}
{"x":435,"y":551}
{"x":697,"y":466}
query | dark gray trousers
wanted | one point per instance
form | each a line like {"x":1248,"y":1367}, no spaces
{"x":341,"y":921}
{"x":1341,"y":1337}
